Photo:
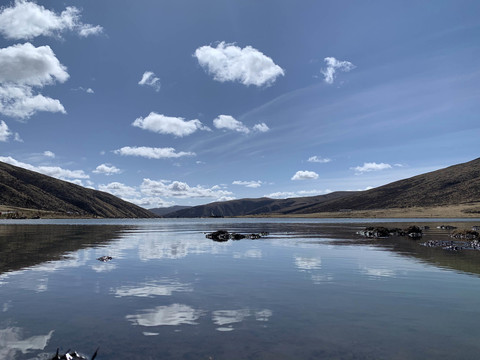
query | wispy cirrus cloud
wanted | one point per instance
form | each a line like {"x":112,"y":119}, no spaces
{"x":228,"y":62}
{"x":151,"y":152}
{"x":4,"y":131}
{"x":107,"y":169}
{"x":305,"y":175}
{"x":371,"y":166}
{"x":151,"y":80}
{"x":24,"y":67}
{"x":291,"y":194}
{"x":316,"y":159}
{"x":27,"y":20}
{"x":87,"y":90}
{"x":162,"y":124}
{"x":228,"y":122}
{"x":334,"y":65}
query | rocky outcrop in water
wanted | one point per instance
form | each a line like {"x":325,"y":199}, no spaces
{"x":224,"y":235}
{"x":381,"y":232}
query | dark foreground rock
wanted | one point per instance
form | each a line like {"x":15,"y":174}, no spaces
{"x":72,"y":355}
{"x":224,"y":235}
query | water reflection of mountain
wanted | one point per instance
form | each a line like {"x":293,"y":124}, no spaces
{"x":345,"y":234}
{"x":24,"y":246}
{"x":464,"y":260}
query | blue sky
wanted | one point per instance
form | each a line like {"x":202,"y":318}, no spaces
{"x":188,"y":102}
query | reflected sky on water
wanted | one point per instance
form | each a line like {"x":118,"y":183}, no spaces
{"x":309,"y":290}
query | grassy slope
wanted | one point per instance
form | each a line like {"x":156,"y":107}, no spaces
{"x":449,"y":192}
{"x":21,"y":188}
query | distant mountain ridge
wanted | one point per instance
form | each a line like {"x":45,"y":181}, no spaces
{"x":28,"y":189}
{"x":457,"y":184}
{"x":160,"y":211}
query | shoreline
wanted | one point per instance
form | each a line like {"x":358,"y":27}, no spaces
{"x":462,"y":211}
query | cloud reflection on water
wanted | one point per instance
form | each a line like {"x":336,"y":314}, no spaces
{"x":230,"y":317}
{"x":11,"y":342}
{"x":154,"y":288}
{"x":308,"y":263}
{"x":377,"y":272}
{"x":172,"y":315}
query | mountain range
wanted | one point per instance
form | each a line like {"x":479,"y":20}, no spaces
{"x":452,"y":186}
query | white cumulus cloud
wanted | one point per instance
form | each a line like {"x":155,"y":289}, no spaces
{"x":150,"y":79}
{"x":49,"y":154}
{"x":250,"y":184}
{"x":152,"y":193}
{"x":178,"y":189}
{"x":334,"y":65}
{"x":53,"y":171}
{"x":151,"y":153}
{"x":230,"y":123}
{"x":169,"y":125}
{"x":372,"y":166}
{"x":4,"y":131}
{"x":24,"y":67}
{"x":262,"y":127}
{"x":228,"y":62}
{"x":305,"y":175}
{"x":121,"y":190}
{"x":25,"y":64}
{"x":27,"y":20}
{"x":107,"y":169}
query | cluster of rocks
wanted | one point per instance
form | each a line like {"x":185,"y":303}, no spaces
{"x":381,"y":232}
{"x":224,"y":235}
{"x":465,"y":234}
{"x":454,"y":245}
{"x":446,"y":227}
{"x":104,"y":258}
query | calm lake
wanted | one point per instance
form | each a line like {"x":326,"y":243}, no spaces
{"x":311,"y":289}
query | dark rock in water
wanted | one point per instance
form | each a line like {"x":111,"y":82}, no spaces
{"x":219,"y":235}
{"x":465,"y":234}
{"x":237,"y":236}
{"x":446,"y":227}
{"x":104,"y":258}
{"x":72,"y":355}
{"x":381,"y":232}
{"x":414,"y":232}
{"x":375,"y":232}
{"x":223,"y":235}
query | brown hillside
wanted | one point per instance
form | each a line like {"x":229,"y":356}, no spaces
{"x":452,"y":186}
{"x":27,"y":189}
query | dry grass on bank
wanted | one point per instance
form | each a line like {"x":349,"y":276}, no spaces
{"x":471,"y":210}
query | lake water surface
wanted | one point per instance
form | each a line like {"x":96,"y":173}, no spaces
{"x":312,"y":289}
